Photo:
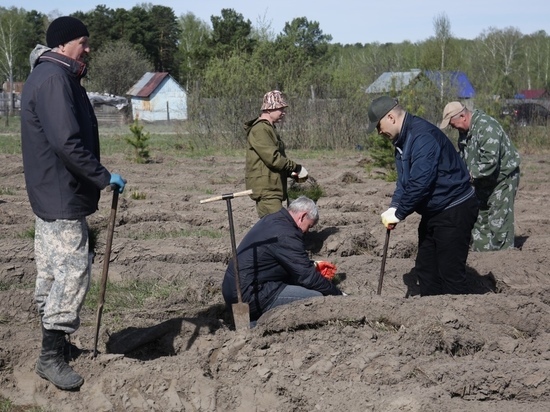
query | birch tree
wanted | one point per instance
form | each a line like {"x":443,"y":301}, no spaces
{"x":442,"y":28}
{"x":11,"y":30}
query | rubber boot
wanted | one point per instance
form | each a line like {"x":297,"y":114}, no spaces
{"x":51,"y":364}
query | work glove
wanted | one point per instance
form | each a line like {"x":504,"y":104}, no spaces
{"x":117,"y":179}
{"x":301,"y":176}
{"x":326,"y":269}
{"x":388,"y":218}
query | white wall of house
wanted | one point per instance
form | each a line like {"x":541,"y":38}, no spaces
{"x":167,"y":102}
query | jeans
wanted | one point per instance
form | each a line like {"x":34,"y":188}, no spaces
{"x":443,"y":245}
{"x":291,"y":293}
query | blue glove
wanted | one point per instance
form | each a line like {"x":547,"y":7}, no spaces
{"x":117,"y":179}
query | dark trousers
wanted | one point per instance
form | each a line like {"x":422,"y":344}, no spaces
{"x":443,"y":245}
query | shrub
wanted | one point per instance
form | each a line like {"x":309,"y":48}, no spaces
{"x":139,"y":141}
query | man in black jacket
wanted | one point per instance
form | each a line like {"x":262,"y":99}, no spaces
{"x":274,"y":267}
{"x":432,"y":181}
{"x":64,"y":177}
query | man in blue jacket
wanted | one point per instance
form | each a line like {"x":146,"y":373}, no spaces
{"x":274,"y":267}
{"x":433,"y":181}
{"x":64,"y":177}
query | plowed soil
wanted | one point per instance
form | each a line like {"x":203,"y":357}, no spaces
{"x":178,"y":351}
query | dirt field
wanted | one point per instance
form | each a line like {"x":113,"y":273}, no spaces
{"x":489,"y":351}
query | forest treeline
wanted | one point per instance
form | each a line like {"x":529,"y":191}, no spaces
{"x":230,"y":58}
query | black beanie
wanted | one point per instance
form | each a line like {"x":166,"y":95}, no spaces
{"x":64,"y":29}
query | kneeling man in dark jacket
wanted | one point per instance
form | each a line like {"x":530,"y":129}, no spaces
{"x":274,"y":267}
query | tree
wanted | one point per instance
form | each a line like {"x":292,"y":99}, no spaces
{"x":193,"y":47}
{"x":306,"y":35}
{"x":230,"y":33}
{"x":12,"y":25}
{"x":35,"y":33}
{"x":100,"y":24}
{"x":536,"y":52}
{"x":166,"y":32}
{"x":498,"y":57}
{"x":442,"y":28}
{"x":263,"y":30}
{"x":301,"y":57}
{"x":116,"y":68}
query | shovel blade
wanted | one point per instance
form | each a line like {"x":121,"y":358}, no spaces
{"x":241,"y":316}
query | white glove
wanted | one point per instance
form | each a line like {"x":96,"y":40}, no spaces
{"x":300,"y":177}
{"x":388,"y":218}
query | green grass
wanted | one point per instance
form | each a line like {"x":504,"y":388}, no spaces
{"x":10,"y":144}
{"x":160,"y":144}
{"x":7,"y":191}
{"x":137,"y":195}
{"x":184,"y":140}
{"x":13,"y":124}
{"x":25,"y":285}
{"x":311,"y":190}
{"x":4,"y":285}
{"x":128,"y":295}
{"x":212,"y":234}
{"x":531,"y":139}
{"x":27,"y":234}
{"x":7,"y":406}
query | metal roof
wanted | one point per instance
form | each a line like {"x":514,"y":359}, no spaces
{"x":458,"y":82}
{"x":147,"y":84}
{"x":393,"y":81}
{"x":532,"y":94}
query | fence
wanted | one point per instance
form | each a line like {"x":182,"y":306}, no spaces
{"x":9,"y":103}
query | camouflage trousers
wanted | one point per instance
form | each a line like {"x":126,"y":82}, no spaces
{"x":494,"y":228}
{"x":63,"y":276}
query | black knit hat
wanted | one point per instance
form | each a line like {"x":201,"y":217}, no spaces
{"x":64,"y":29}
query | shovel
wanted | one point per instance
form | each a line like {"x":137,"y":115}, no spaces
{"x":107,"y":257}
{"x":241,"y":311}
{"x":383,"y":267}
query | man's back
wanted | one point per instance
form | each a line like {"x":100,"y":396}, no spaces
{"x":60,"y":144}
{"x":432,"y":176}
{"x":270,"y":257}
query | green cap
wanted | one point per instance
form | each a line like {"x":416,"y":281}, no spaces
{"x":378,"y":109}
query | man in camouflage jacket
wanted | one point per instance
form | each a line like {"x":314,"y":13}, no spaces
{"x":493,"y":163}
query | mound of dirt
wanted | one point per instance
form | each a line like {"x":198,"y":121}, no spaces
{"x":486,"y":351}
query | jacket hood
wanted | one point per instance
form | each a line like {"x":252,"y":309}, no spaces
{"x":248,"y":125}
{"x":38,"y":51}
{"x":74,"y":67}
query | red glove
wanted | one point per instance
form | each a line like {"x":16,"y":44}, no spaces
{"x":326,"y":269}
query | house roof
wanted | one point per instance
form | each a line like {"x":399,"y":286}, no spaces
{"x":458,"y":83}
{"x":532,"y":94}
{"x":147,"y":84}
{"x":389,"y":81}
{"x":397,"y":81}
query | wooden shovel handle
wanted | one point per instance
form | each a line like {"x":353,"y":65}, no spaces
{"x":106,"y":259}
{"x":227,"y":196}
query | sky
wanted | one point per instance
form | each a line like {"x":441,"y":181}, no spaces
{"x":347,"y":21}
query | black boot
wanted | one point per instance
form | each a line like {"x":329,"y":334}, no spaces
{"x":51,"y":364}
